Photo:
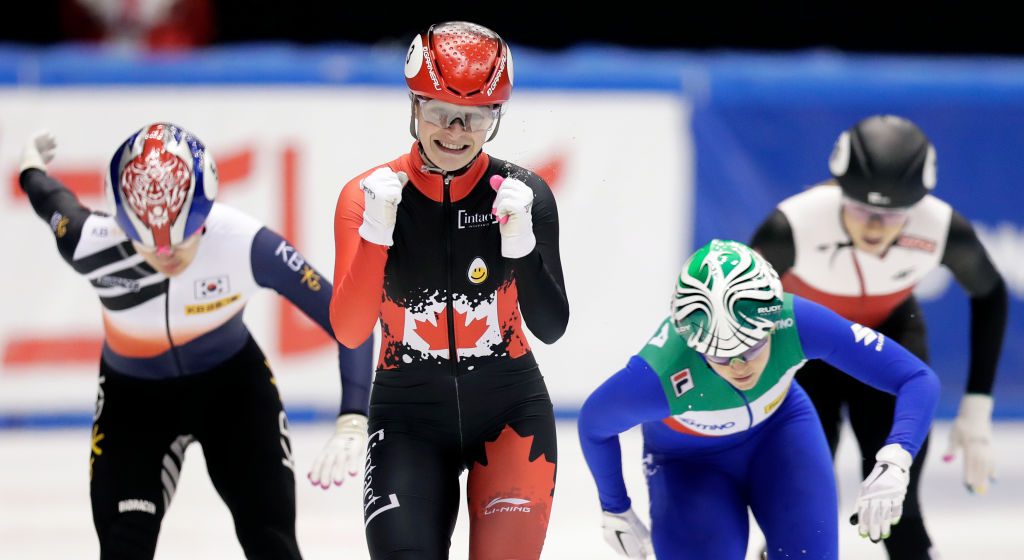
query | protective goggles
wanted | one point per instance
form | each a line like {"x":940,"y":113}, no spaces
{"x":474,"y":118}
{"x":749,"y":355}
{"x":864,"y":213}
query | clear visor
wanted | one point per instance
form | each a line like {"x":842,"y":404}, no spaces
{"x":749,"y":355}
{"x":444,"y":115}
{"x":865,"y":213}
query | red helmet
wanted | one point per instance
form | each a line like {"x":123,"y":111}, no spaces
{"x":460,"y":62}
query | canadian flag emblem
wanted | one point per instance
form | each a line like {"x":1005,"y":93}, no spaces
{"x":436,"y":334}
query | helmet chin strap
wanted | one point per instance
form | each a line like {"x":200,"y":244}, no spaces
{"x":412,"y":117}
{"x":497,"y":125}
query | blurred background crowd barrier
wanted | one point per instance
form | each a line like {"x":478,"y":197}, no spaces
{"x":650,"y":153}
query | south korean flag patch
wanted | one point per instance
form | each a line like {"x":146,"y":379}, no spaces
{"x":212,"y":287}
{"x":681,"y":382}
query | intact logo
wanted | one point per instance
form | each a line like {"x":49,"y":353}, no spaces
{"x":212,"y":287}
{"x":681,"y":382}
{"x":506,"y":505}
{"x":370,"y":496}
{"x":769,"y":309}
{"x":475,"y":220}
{"x":867,"y":337}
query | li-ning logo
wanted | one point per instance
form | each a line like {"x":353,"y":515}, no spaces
{"x":430,"y":68}
{"x":144,"y":506}
{"x":467,"y":220}
{"x":513,"y":504}
{"x":497,"y":77}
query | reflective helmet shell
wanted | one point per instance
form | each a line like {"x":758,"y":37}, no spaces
{"x":728,"y":298}
{"x":461,"y":63}
{"x":161,"y":183}
{"x":885,"y":161}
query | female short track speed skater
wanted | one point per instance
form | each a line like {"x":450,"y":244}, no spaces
{"x":859,"y":245}
{"x":173,"y":271}
{"x":452,"y":249}
{"x":726,"y":428}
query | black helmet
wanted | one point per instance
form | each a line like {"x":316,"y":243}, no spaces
{"x":884,"y":161}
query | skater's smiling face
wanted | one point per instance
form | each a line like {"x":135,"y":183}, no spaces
{"x":744,"y":371}
{"x":452,"y":135}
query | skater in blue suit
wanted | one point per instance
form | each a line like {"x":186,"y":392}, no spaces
{"x":726,"y":428}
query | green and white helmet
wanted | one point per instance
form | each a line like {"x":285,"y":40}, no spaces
{"x":728,"y":299}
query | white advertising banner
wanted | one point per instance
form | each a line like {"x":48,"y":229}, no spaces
{"x":620,"y":164}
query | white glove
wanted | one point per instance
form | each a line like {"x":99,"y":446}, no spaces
{"x":38,"y":151}
{"x":382,"y":191}
{"x":342,"y":454}
{"x":512,"y":207}
{"x":972,"y":431}
{"x":880,"y":502}
{"x":627,"y":534}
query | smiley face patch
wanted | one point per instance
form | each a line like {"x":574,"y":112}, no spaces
{"x":477,"y":271}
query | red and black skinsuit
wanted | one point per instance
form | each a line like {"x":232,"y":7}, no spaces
{"x":444,"y":291}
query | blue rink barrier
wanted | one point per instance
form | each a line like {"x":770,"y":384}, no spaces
{"x":762,"y":125}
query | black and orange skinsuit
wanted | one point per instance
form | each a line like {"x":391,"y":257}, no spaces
{"x":457,"y":386}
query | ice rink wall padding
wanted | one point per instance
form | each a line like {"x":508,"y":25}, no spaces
{"x":649,"y":153}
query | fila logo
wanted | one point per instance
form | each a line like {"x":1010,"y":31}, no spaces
{"x":681,"y":382}
{"x":866,"y":336}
